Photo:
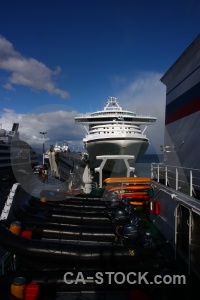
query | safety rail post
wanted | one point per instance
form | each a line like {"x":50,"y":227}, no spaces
{"x":158,"y":173}
{"x":152,"y":168}
{"x":176,"y":179}
{"x":166,"y":179}
{"x":14,"y":262}
{"x":176,"y":231}
{"x":2,"y":268}
{"x":191,"y":186}
{"x":189,"y":242}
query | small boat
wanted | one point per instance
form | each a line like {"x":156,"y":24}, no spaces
{"x":127,"y":180}
{"x":129,"y":187}
{"x":139,"y":203}
{"x":135,"y":195}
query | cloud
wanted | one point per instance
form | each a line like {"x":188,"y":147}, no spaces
{"x":59,"y":125}
{"x":27,"y":71}
{"x":145,"y":95}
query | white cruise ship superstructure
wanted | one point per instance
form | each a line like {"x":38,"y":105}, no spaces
{"x":114,"y":131}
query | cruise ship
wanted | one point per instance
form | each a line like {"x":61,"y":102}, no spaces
{"x":114,"y":131}
{"x":15,"y":155}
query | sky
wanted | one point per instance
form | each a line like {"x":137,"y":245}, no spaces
{"x":62,"y":58}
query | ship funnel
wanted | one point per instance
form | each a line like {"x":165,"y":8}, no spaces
{"x":15,"y":127}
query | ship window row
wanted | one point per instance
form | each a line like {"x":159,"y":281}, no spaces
{"x":111,"y":112}
{"x":107,"y":132}
{"x":139,"y":120}
{"x":4,"y":148}
{"x":8,"y":161}
{"x":116,"y":128}
{"x":5,"y":154}
{"x":97,"y":127}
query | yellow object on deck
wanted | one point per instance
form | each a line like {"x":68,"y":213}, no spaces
{"x":129,"y":187}
{"x":43,"y":200}
{"x":139,"y":203}
{"x":127,"y":179}
{"x":16,"y":227}
{"x":18,"y":287}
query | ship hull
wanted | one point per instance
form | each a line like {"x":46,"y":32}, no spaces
{"x":175,"y":209}
{"x":64,"y":164}
{"x":185,"y":154}
{"x":182,"y":118}
{"x":115,"y":147}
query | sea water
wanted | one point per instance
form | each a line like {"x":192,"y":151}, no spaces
{"x":143,"y":167}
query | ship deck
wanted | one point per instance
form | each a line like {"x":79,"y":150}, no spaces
{"x":175,"y":265}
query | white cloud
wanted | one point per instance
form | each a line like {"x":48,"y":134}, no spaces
{"x":27,"y":71}
{"x":60,"y":125}
{"x":145,"y":95}
{"x":8,"y":86}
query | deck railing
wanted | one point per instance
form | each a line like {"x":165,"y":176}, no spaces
{"x":184,"y":179}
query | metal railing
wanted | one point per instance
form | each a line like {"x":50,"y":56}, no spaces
{"x":184,"y":179}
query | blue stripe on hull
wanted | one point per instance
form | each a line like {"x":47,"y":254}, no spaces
{"x":184,"y":105}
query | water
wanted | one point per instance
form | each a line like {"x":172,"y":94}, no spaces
{"x":143,"y":167}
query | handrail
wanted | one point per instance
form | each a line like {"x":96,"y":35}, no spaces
{"x":179,"y":177}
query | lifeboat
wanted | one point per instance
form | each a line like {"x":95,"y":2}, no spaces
{"x":112,"y":180}
{"x":136,"y":200}
{"x":141,"y":194}
{"x":139,"y":203}
{"x":129,"y":187}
